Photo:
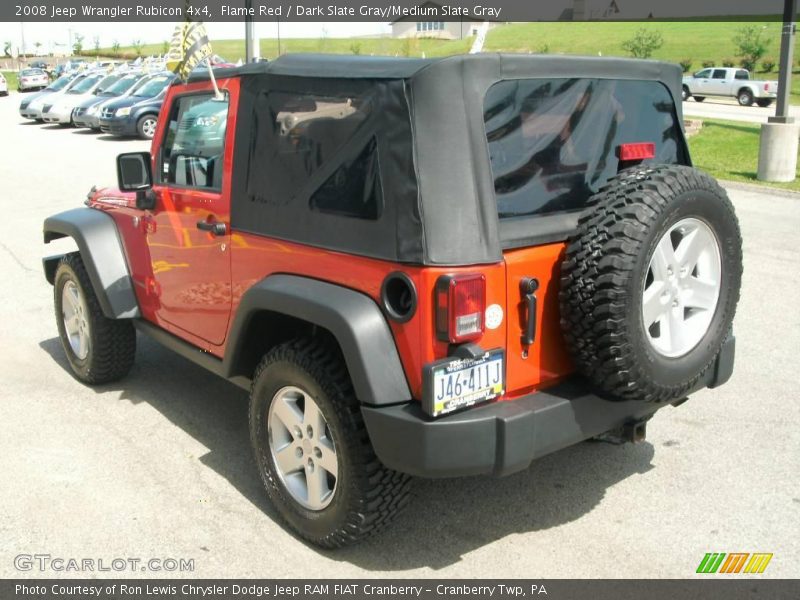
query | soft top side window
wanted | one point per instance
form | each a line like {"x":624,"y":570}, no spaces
{"x":316,"y":150}
{"x":194,"y":145}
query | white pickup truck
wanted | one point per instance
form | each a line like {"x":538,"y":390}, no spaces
{"x":735,"y":83}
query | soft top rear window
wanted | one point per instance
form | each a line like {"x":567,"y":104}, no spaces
{"x":554,"y":142}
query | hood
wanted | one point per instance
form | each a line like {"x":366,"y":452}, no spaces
{"x":31,"y":98}
{"x":50,"y":98}
{"x":112,"y":196}
{"x":123,"y":102}
{"x":73,"y":100}
{"x":89,"y":102}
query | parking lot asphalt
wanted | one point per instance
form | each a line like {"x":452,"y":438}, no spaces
{"x":159,"y":465}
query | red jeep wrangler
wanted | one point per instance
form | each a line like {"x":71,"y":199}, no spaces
{"x":417,"y":267}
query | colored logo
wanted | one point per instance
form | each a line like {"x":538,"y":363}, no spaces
{"x":735,"y":562}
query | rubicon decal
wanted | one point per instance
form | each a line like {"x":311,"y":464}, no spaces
{"x":735,"y":562}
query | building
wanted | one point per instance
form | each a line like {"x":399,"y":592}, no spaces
{"x":410,"y":27}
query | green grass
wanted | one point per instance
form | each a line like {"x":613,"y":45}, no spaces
{"x":729,"y":150}
{"x":11,"y":79}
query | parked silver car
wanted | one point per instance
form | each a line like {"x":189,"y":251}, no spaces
{"x":32,"y":79}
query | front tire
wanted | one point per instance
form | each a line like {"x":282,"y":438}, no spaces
{"x":312,"y":448}
{"x":650,"y":283}
{"x":99,"y":350}
{"x":685,"y":94}
{"x":146,"y":127}
{"x":745,"y":98}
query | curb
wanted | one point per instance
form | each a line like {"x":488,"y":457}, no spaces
{"x":754,"y":187}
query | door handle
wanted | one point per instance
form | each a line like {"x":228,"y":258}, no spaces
{"x":528,"y":287}
{"x":213,"y":227}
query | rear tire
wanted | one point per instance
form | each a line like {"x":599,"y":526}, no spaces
{"x":99,"y":350}
{"x":764,"y":102}
{"x":354,"y":495}
{"x":650,"y":282}
{"x":699,"y":98}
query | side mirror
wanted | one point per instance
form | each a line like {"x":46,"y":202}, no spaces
{"x":135,"y":175}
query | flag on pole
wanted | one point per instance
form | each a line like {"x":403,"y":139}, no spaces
{"x":189,"y":46}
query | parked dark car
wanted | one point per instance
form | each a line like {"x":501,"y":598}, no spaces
{"x":137,"y":114}
{"x":87,"y":114}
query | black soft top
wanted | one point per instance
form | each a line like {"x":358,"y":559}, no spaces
{"x":447,"y":214}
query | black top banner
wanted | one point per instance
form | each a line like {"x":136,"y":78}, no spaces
{"x":389,"y":10}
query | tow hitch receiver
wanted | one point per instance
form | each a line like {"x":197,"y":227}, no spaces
{"x":634,"y":431}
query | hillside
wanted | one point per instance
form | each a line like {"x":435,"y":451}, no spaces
{"x":696,"y":40}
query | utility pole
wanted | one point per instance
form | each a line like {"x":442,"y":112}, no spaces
{"x":787,"y":58}
{"x":249,"y":33}
{"x":22,"y":35}
{"x":777,"y":153}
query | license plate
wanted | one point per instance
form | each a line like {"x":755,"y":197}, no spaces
{"x":452,"y":384}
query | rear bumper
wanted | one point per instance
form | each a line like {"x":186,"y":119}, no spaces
{"x":505,"y":437}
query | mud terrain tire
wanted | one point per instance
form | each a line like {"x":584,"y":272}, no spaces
{"x":609,"y":268}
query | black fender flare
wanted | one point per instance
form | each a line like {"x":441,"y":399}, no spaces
{"x":102,"y":253}
{"x":353,"y":318}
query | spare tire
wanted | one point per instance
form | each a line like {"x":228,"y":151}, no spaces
{"x":650,"y":282}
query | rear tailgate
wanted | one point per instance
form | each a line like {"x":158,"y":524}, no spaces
{"x":545,"y":360}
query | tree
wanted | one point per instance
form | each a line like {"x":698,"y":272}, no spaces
{"x":37,"y":45}
{"x":77,"y":46}
{"x":96,"y":41}
{"x":137,"y":47}
{"x":7,"y":49}
{"x":164,"y":46}
{"x":751,"y":45}
{"x":115,"y":48}
{"x":643,"y":43}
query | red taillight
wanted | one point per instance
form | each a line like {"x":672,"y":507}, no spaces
{"x":638,"y":151}
{"x":460,"y":306}
{"x":766,"y":87}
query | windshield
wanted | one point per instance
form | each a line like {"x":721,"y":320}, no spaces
{"x":74,"y":82}
{"x":153,"y":87}
{"x":107,"y":82}
{"x":122,"y":85}
{"x":59,"y":84}
{"x":85,"y":85}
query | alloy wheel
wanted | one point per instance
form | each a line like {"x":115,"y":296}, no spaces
{"x":682,"y":287}
{"x":302,"y":448}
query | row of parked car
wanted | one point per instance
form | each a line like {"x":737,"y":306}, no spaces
{"x":125,"y":102}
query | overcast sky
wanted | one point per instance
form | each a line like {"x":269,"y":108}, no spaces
{"x":51,"y":35}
